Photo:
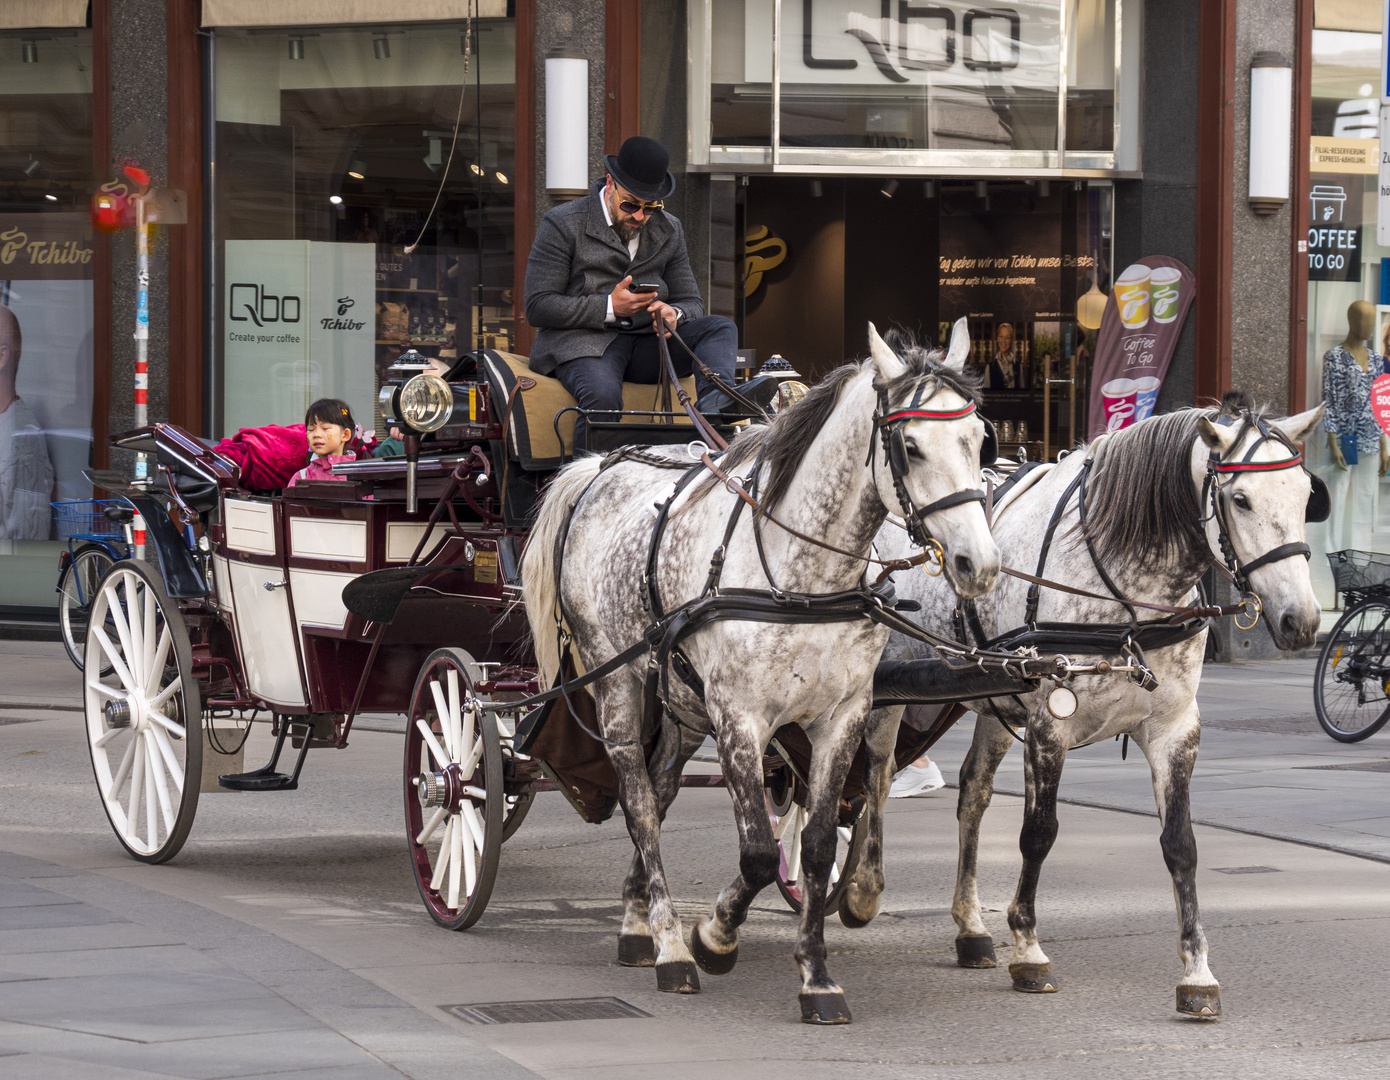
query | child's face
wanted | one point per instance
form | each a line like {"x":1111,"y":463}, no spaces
{"x":326,"y":438}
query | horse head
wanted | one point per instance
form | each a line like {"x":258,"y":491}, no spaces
{"x":928,"y":448}
{"x":1259,"y":498}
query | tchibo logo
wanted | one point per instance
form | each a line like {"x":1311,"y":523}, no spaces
{"x":340,"y":323}
{"x":251,"y":303}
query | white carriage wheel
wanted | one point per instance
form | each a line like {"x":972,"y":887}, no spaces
{"x":788,"y":819}
{"x":77,"y":589}
{"x":143,"y":714}
{"x":454,"y":805}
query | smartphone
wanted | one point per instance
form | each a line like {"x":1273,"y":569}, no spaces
{"x":645,"y":286}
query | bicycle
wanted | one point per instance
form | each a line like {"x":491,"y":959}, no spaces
{"x":98,"y":534}
{"x":1351,"y":687}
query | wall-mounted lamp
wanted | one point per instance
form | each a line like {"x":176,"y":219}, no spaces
{"x":296,"y":48}
{"x":357,"y":169}
{"x":928,"y":189}
{"x":29,"y":52}
{"x":1271,"y":131}
{"x":566,"y":123}
{"x":817,"y":189}
{"x":1044,"y":188}
{"x":889,"y":188}
{"x":381,"y":48}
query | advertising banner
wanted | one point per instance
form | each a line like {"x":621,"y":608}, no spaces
{"x":1138,"y":332}
{"x":1334,"y":227}
{"x":45,"y":368}
{"x":297,"y":328}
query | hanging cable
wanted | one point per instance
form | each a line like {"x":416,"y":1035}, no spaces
{"x":458,"y":121}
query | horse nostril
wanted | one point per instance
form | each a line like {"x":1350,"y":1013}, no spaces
{"x":1290,"y":627}
{"x":965,"y":567}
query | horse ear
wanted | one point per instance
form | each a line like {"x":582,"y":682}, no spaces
{"x":885,"y":359}
{"x":1218,"y":438}
{"x":1298,"y":428}
{"x":960,"y":346}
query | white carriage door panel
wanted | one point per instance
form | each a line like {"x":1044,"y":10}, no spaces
{"x":402,"y":537}
{"x":266,"y":632}
{"x":318,"y":597}
{"x":250,"y":526}
{"x":328,"y":538}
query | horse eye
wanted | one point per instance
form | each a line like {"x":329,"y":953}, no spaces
{"x":1241,"y":500}
{"x":912,"y":450}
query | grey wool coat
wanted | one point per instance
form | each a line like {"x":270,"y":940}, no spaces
{"x":578,"y":259}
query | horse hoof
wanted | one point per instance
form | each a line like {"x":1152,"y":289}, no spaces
{"x":711,"y":962}
{"x":1200,"y":1001}
{"x":636,"y":950}
{"x":853,"y":921}
{"x":677,"y":977}
{"x":975,"y":951}
{"x":824,"y":1009}
{"x":1034,"y":978}
{"x":857,"y":908}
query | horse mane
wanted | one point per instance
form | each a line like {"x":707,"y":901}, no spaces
{"x":1141,"y":505}
{"x":785,"y":442}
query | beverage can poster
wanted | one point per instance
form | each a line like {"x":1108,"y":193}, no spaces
{"x":1138,"y":332}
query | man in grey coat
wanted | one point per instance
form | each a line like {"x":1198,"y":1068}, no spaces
{"x":585,"y":295}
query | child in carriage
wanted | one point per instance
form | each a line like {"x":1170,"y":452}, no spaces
{"x":329,"y":428}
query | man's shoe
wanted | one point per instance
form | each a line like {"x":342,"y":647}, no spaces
{"x":760,"y":391}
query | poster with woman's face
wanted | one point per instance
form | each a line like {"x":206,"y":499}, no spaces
{"x":1381,"y":342}
{"x":1005,"y":370}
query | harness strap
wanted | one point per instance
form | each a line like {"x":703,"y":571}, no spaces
{"x":1030,"y":614}
{"x":650,"y":595}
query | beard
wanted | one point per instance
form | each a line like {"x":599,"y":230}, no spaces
{"x":627,"y":230}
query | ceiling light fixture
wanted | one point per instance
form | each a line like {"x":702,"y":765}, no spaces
{"x":31,"y":168}
{"x":502,"y":178}
{"x":335,"y":199}
{"x":1044,"y":188}
{"x":381,"y":48}
{"x":296,"y":48}
{"x":817,"y":189}
{"x":889,"y":187}
{"x":928,"y":189}
{"x":29,"y":52}
{"x":357,"y":169}
{"x":51,"y":197}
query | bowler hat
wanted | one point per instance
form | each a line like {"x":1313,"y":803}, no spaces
{"x":640,"y":167}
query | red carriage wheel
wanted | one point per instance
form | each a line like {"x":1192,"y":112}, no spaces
{"x":454,"y":805}
{"x":788,"y":818}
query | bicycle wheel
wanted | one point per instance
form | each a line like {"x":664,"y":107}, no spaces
{"x":77,"y":588}
{"x":1351,"y":686}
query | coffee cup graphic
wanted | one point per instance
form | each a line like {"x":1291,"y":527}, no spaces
{"x":1165,"y":290}
{"x":1119,"y":397}
{"x":1132,"y":296}
{"x":1146,"y":397}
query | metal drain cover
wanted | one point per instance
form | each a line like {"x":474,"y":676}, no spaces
{"x":1247,"y":870}
{"x":544,"y":1012}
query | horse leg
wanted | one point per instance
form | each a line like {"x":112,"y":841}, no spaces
{"x":860,"y":898}
{"x":974,"y":942}
{"x":620,"y":708}
{"x":714,"y":941}
{"x":822,"y":1001}
{"x":1171,"y":758}
{"x":635,"y":948}
{"x":1030,"y":968}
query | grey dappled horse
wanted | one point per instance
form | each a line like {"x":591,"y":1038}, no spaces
{"x":822,"y":472}
{"x":1155,"y":535}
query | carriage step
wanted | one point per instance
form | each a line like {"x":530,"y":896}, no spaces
{"x":260,"y":780}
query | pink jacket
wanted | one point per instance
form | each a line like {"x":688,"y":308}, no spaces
{"x":321,"y":468}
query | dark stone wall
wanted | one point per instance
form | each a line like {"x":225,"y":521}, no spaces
{"x":139,"y":127}
{"x":578,"y":23}
{"x":1157,"y":215}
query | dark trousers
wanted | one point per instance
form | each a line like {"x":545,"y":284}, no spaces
{"x":596,"y":382}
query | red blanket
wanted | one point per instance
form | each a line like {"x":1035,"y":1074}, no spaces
{"x":269,"y":456}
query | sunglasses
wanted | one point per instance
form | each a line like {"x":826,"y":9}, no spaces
{"x":648,"y":207}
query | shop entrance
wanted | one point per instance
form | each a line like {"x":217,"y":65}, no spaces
{"x":823,"y":257}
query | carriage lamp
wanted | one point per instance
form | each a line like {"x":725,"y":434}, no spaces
{"x":426,"y":403}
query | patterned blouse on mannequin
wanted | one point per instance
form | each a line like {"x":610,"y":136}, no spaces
{"x":1346,"y":389}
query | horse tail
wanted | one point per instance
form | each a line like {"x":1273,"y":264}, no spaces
{"x":539,"y":587}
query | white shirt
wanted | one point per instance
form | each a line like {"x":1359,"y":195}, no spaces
{"x":631,"y":251}
{"x":26,"y":476}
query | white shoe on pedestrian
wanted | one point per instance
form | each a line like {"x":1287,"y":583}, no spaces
{"x":913,"y":782}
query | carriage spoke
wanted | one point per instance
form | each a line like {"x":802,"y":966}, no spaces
{"x":455,"y":727}
{"x":150,"y":641}
{"x":119,"y":620}
{"x":470,"y":872}
{"x":161,"y":656}
{"x":470,"y":815}
{"x":114,"y":656}
{"x":794,"y":856}
{"x":155,"y":768}
{"x":445,"y":846}
{"x":157,"y":702}
{"x":124,"y":769}
{"x":475,"y":792}
{"x":176,"y":730}
{"x":456,"y":864}
{"x":137,"y":784}
{"x":136,"y":658}
{"x":106,"y":736}
{"x":104,"y":690}
{"x":151,"y":802}
{"x":441,"y":759}
{"x":440,"y":813}
{"x":166,"y":750}
{"x":441,"y":709}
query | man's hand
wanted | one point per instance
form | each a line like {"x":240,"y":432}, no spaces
{"x":666,"y":313}
{"x":627,"y":302}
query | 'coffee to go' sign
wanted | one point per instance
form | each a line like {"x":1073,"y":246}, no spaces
{"x":1334,"y":228}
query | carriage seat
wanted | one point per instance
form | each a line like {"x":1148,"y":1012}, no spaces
{"x":531,"y":435}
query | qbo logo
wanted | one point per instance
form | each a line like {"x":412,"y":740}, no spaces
{"x":252,"y":303}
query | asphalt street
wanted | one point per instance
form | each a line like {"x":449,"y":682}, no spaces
{"x":287,"y":939}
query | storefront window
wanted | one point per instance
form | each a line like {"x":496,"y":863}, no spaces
{"x":1344,"y":266}
{"x":927,"y":83}
{"x":329,"y":147}
{"x":45,"y":299}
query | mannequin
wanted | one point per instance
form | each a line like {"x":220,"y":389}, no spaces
{"x":1359,"y":450}
{"x":1361,"y":322}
